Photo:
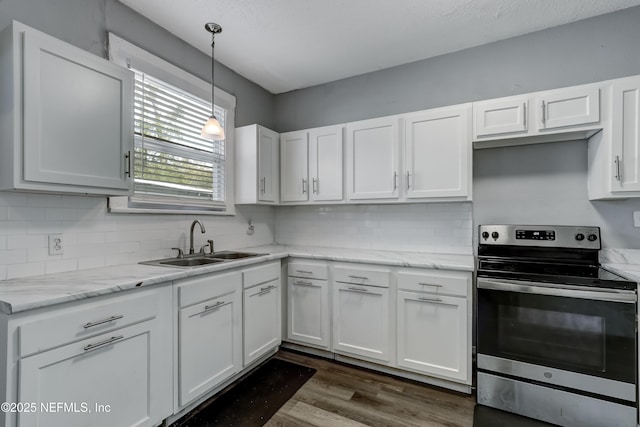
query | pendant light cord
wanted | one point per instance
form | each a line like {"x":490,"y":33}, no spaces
{"x":213,"y":44}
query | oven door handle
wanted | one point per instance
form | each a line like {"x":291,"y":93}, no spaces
{"x":557,"y":290}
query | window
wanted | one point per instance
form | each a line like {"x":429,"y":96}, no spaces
{"x":174,"y":169}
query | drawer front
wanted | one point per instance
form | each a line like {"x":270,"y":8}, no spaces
{"x":76,"y":323}
{"x":362,"y":275}
{"x":308,"y":270}
{"x":262,"y":274}
{"x":195,"y":290}
{"x":455,"y":283}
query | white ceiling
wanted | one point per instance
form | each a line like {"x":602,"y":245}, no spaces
{"x":284,"y":45}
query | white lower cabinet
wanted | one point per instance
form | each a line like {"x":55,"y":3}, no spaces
{"x":120,"y":374}
{"x":209,"y":333}
{"x":262,"y":318}
{"x":361,"y":314}
{"x":308,"y":309}
{"x":434,"y":323}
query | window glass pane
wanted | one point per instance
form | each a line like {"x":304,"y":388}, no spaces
{"x":171,"y":159}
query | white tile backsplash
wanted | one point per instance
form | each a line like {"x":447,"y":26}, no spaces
{"x":431,"y":227}
{"x":94,"y":238}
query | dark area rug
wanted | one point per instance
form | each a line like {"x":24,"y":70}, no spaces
{"x":483,"y":416}
{"x":253,"y":400}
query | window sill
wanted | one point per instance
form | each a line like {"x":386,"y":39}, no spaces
{"x":120,"y":205}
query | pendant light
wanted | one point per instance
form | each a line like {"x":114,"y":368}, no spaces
{"x":212,"y":129}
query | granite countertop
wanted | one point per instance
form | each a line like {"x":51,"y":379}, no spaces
{"x":625,"y":262}
{"x":21,"y":294}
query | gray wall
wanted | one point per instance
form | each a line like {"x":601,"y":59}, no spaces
{"x":535,"y":184}
{"x":85,"y":23}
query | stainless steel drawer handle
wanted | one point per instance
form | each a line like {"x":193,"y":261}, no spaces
{"x":103,"y":343}
{"x":100,"y":322}
{"x":430,"y":284}
{"x":304,"y":272}
{"x":430,"y":299}
{"x":301,"y":283}
{"x":211,"y":307}
{"x":358,"y":289}
{"x":268,"y":288}
{"x":359,"y":277}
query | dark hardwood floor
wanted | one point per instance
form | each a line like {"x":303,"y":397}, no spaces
{"x":341,"y":395}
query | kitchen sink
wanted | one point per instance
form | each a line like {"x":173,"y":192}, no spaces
{"x":190,"y":262}
{"x":200,"y":260}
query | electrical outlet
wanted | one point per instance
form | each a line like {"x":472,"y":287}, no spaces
{"x":55,"y":244}
{"x":636,"y":219}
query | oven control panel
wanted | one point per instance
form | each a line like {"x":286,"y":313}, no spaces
{"x":540,"y":235}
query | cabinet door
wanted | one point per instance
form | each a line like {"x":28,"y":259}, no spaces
{"x":568,"y":107}
{"x":326,"y":163}
{"x":433,"y":336}
{"x":262,"y":329}
{"x":308,"y":311}
{"x":78,"y":112}
{"x":501,"y":116}
{"x":108,"y":380}
{"x":268,"y":174}
{"x":361,"y":321}
{"x":294,"y":170}
{"x":437,"y":152}
{"x":626,"y":135}
{"x":373,"y":159}
{"x":210,"y":344}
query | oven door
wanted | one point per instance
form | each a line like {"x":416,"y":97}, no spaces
{"x":569,"y":329}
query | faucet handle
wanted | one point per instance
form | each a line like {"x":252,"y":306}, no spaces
{"x":210,"y":242}
{"x":180,"y":254}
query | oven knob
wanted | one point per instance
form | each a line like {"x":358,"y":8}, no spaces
{"x":579,"y":237}
{"x":592,"y":237}
{"x":485,"y":235}
{"x":495,"y":235}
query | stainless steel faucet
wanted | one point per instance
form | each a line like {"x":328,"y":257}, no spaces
{"x":202,"y":230}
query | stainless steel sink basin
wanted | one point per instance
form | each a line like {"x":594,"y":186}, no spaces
{"x":190,"y":262}
{"x":200,"y":260}
{"x":232,"y":255}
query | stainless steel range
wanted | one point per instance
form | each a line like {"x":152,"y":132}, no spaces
{"x":556,"y":331}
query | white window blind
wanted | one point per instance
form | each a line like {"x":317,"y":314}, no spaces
{"x":171,"y":160}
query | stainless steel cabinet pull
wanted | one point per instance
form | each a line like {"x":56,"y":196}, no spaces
{"x":430,"y":284}
{"x":524,"y":114}
{"x":263,"y":187}
{"x":265,"y":290}
{"x":430,"y":299}
{"x":359,"y":277}
{"x":304,"y":185}
{"x":544,"y":119}
{"x":408,"y":180}
{"x":100,"y":322}
{"x":395,"y":181}
{"x":103,"y":343}
{"x":315,"y":185}
{"x":358,"y":289}
{"x":304,"y":271}
{"x":301,"y":283}
{"x":127,"y":164}
{"x":618,"y":176}
{"x":211,"y":307}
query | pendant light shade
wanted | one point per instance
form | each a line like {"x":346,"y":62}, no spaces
{"x":212,"y":128}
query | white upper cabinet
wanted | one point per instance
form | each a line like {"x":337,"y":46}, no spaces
{"x":554,"y":115}
{"x":614,"y":153}
{"x":373,"y":159}
{"x":67,"y":123}
{"x":294,"y":166}
{"x":257,"y":172}
{"x":437,"y":153}
{"x":326,"y":164}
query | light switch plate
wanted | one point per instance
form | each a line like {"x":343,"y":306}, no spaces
{"x":55,"y":244}
{"x":636,"y":219}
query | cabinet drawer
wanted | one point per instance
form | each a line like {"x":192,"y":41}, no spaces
{"x":195,"y":290}
{"x":362,"y":276}
{"x":76,"y":323}
{"x":435,"y":281}
{"x":262,"y":274}
{"x":307,"y":270}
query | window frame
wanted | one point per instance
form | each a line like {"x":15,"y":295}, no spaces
{"x":128,"y":55}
